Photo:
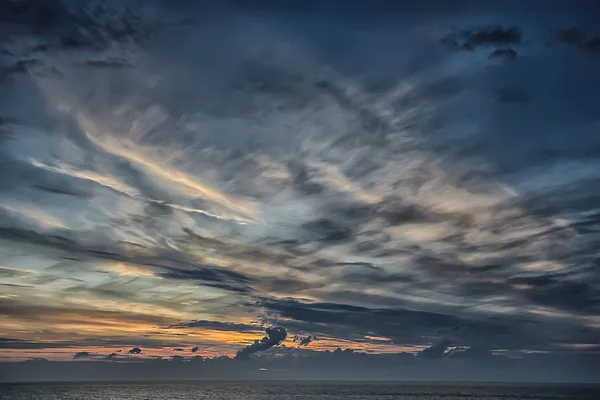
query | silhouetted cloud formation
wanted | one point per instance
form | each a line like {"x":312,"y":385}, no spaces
{"x":303,"y":341}
{"x":135,"y":350}
{"x":275,"y":336}
{"x":194,"y":349}
{"x":82,"y":354}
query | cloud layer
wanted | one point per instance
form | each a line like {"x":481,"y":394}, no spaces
{"x":399,"y":181}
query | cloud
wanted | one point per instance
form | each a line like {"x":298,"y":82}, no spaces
{"x":194,"y":349}
{"x":82,"y":354}
{"x":488,"y":36}
{"x":577,"y":38}
{"x":67,"y":192}
{"x":412,"y":193}
{"x":275,"y":336}
{"x":135,"y":350}
{"x":505,"y":53}
{"x":219,"y":326}
{"x":303,"y":341}
{"x":178,"y":349}
{"x":13,"y":273}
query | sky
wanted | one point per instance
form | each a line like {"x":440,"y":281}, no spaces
{"x":300,"y":189}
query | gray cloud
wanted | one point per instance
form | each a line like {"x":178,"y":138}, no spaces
{"x":82,"y":354}
{"x":413,"y":196}
{"x":219,"y":326}
{"x":488,"y":36}
{"x":577,"y":38}
{"x":505,"y":53}
{"x":275,"y":336}
{"x":135,"y":350}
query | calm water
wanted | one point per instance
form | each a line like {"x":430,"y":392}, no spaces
{"x":284,"y":391}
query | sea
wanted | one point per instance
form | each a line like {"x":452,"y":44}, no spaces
{"x":293,"y":391}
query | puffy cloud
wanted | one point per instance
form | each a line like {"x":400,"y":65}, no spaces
{"x":135,"y":350}
{"x":275,"y":336}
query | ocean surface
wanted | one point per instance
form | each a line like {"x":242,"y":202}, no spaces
{"x":285,"y":391}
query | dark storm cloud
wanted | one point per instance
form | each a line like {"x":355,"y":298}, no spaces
{"x":135,"y":350}
{"x":219,"y":326}
{"x":194,"y":349}
{"x":488,"y":36}
{"x":577,"y":38}
{"x":275,"y":336}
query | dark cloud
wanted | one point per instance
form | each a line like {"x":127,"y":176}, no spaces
{"x":135,"y":350}
{"x":219,"y":326}
{"x":310,"y":365}
{"x":11,"y":343}
{"x":505,"y":53}
{"x":67,"y":192}
{"x":275,"y":336}
{"x":303,"y":341}
{"x":577,"y":38}
{"x":12,"y":273}
{"x":107,"y":63}
{"x":82,"y":354}
{"x":194,"y":349}
{"x":328,"y":231}
{"x":488,"y":36}
{"x":178,"y":349}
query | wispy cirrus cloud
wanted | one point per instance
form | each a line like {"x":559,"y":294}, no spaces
{"x":431,"y":198}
